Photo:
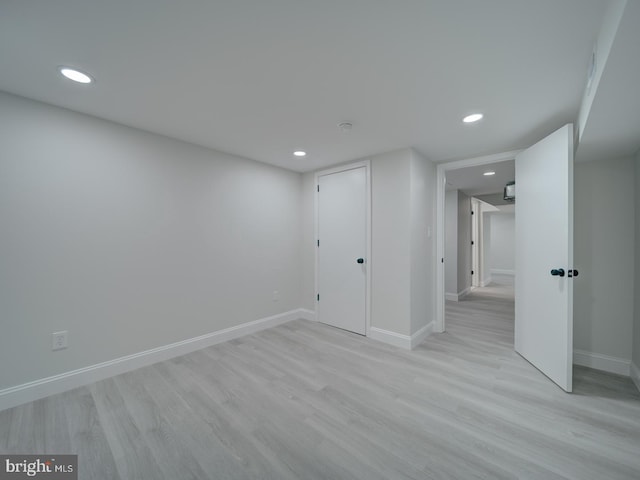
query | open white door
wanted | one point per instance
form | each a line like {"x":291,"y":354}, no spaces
{"x":544,"y":242}
{"x":342,"y":249}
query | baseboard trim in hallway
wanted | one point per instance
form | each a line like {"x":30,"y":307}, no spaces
{"x":597,"y":361}
{"x":456,"y":297}
{"x":408,"y":342}
{"x":306,"y":314}
{"x":390,"y":338}
{"x":635,"y":375}
{"x":420,"y":336}
{"x":28,"y":392}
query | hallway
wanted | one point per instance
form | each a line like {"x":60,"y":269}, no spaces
{"x":486,"y":314}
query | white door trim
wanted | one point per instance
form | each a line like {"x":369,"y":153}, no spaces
{"x":476,"y":264}
{"x":343,"y":168}
{"x":442,"y":170}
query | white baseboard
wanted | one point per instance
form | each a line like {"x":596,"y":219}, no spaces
{"x":418,"y":337}
{"x":635,"y":375}
{"x":605,"y":363}
{"x":392,"y":338}
{"x":457,"y":296}
{"x":28,"y":392}
{"x":499,"y":271}
{"x":399,"y":340}
{"x":307,"y":314}
{"x":486,"y":281}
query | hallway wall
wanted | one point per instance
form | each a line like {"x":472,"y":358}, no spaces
{"x":635,"y":367}
{"x":464,"y":243}
{"x":604,"y":252}
{"x":502,"y":243}
{"x":451,"y":242}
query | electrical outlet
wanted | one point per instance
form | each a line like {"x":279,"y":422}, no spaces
{"x":276,"y":296}
{"x":59,"y":340}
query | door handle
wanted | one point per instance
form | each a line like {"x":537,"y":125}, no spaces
{"x":573,"y":273}
{"x":360,"y":260}
{"x":558,"y":272}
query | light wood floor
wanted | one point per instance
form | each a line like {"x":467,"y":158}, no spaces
{"x":307,"y":401}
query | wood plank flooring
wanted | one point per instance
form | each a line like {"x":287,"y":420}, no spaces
{"x":307,"y":401}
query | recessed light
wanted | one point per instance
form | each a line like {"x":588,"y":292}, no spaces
{"x":300,"y":153}
{"x":75,"y":75}
{"x":472,"y":118}
{"x":345,"y":127}
{"x":488,"y":174}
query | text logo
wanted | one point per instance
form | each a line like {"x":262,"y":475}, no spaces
{"x":50,"y":467}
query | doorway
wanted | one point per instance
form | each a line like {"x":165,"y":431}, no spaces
{"x":544,"y":240}
{"x":473,"y":202}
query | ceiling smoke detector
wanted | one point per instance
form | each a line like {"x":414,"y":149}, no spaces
{"x":345,"y":127}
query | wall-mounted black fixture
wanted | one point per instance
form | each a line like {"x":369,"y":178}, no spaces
{"x":510,"y":191}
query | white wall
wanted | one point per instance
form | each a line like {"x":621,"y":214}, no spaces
{"x":308,"y":248}
{"x":636,"y":324}
{"x":502,"y":243}
{"x":422,"y":249}
{"x":390,"y":243}
{"x":130,"y":240}
{"x":457,"y":248}
{"x":451,"y":242}
{"x":604,"y":233}
{"x":486,"y":248}
{"x":464,"y":242}
{"x":402,"y":255}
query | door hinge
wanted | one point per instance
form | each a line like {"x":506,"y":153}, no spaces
{"x":471,"y":272}
{"x":472,"y":243}
{"x":442,"y":260}
{"x":318,"y":187}
{"x":471,"y":212}
{"x":318,"y":242}
{"x":318,"y":298}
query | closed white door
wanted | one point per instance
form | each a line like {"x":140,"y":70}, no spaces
{"x":544,"y":256}
{"x":342,"y":246}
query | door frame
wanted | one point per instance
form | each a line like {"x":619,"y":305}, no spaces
{"x":343,"y":168}
{"x":441,"y":179}
{"x":478,"y":258}
{"x":476,"y":262}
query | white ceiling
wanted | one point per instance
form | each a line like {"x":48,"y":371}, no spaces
{"x":262,"y":78}
{"x":471,"y":181}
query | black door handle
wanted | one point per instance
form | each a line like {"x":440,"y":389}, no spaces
{"x":360,"y":260}
{"x":573,"y":273}
{"x":558,"y":272}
